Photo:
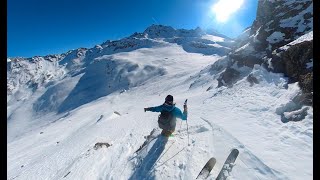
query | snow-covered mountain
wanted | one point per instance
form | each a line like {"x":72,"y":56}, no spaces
{"x":280,"y":40}
{"x":48,"y":76}
{"x":60,"y":106}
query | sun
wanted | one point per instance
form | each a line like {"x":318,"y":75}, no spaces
{"x":224,"y":8}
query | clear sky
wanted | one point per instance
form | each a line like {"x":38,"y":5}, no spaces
{"x":42,"y":27}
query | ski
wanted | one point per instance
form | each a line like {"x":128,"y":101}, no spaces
{"x":145,"y":144}
{"x":204,"y":173}
{"x":148,"y":138}
{"x":139,"y":154}
{"x":228,"y":165}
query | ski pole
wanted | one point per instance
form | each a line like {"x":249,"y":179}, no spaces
{"x":180,"y":127}
{"x":188,"y":133}
{"x":185,"y":106}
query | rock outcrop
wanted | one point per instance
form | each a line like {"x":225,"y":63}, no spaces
{"x":281,"y":40}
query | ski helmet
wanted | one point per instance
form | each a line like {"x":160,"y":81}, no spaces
{"x":169,"y":99}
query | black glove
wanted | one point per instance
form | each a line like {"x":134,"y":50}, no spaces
{"x":146,"y":109}
{"x":185,"y":109}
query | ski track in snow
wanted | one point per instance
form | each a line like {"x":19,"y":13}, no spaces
{"x":247,"y":158}
{"x":219,"y":120}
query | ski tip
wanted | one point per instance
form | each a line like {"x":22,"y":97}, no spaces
{"x":211,"y":161}
{"x":235,"y":150}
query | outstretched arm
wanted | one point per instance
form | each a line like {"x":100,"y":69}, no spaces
{"x":154,"y":109}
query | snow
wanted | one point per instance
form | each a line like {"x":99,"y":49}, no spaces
{"x":270,"y":63}
{"x":294,"y":113}
{"x":298,"y":21}
{"x":104,"y":103}
{"x":255,"y":39}
{"x":291,"y":2}
{"x":247,"y":48}
{"x":213,"y":38}
{"x":268,"y":25}
{"x":275,"y":37}
{"x":305,"y":37}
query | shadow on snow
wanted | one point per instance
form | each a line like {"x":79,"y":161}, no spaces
{"x":145,"y":169}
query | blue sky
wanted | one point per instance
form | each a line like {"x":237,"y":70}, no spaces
{"x":42,"y":27}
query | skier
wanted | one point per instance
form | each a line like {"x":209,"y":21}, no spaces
{"x":169,"y":113}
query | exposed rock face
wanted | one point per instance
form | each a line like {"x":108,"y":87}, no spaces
{"x":227,"y":78}
{"x":306,"y":82}
{"x":296,"y":58}
{"x":252,"y":80}
{"x":245,"y":60}
{"x":295,"y":62}
{"x":280,"y":22}
{"x":277,"y":41}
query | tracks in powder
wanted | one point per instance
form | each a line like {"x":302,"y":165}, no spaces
{"x":247,"y":161}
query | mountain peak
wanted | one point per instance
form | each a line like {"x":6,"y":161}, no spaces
{"x":155,"y":31}
{"x":163,"y":31}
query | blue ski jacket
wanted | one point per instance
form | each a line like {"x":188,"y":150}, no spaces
{"x":176,"y":111}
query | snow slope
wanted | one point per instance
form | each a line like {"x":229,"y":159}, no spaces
{"x":52,"y":134}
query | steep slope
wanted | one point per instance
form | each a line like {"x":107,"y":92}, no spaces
{"x":280,"y":40}
{"x":39,"y":87}
{"x":172,"y":58}
{"x":26,"y":74}
{"x":219,"y":119}
{"x":98,"y":95}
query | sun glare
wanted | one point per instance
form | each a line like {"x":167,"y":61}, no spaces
{"x":224,"y":8}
